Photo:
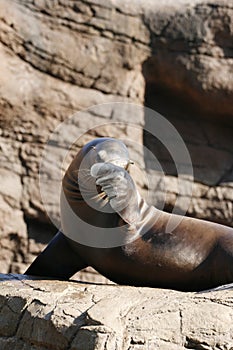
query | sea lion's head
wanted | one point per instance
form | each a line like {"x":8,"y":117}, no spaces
{"x":100,"y":150}
{"x":105,"y":150}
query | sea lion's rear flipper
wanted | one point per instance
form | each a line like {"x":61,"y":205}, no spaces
{"x":58,"y":260}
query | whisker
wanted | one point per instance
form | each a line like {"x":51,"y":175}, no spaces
{"x":81,"y":173}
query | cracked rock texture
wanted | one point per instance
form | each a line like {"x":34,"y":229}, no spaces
{"x":60,"y":57}
{"x":40,"y":315}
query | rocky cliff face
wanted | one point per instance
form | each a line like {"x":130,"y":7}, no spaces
{"x":72,"y":316}
{"x":61,"y":57}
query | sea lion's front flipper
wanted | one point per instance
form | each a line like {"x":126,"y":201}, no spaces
{"x":120,"y":188}
{"x":58,"y":260}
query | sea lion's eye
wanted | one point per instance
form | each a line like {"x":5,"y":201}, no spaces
{"x":102,"y":155}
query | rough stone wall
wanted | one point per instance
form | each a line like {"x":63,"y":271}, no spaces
{"x":189,"y":80}
{"x":61,"y":57}
{"x":41,"y":315}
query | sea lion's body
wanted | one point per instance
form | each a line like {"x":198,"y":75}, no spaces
{"x":195,"y":255}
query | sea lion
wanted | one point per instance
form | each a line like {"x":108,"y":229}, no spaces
{"x":98,"y":189}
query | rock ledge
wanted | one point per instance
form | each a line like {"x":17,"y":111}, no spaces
{"x":50,"y":314}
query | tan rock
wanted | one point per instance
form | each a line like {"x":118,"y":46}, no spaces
{"x":39,"y":314}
